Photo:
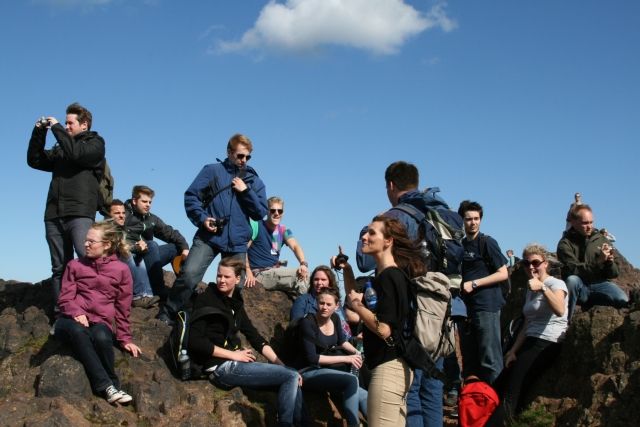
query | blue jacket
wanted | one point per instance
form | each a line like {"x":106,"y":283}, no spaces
{"x":236,"y":208}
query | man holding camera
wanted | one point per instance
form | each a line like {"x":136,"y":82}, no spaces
{"x":73,"y":197}
{"x":219,"y":201}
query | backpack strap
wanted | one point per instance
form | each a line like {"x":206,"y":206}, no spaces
{"x":255,"y":228}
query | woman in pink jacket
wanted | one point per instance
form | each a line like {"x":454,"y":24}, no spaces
{"x":96,"y":290}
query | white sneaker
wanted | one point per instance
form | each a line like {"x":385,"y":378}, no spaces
{"x":113,"y":395}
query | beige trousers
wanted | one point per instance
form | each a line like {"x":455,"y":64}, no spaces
{"x":387,"y":401}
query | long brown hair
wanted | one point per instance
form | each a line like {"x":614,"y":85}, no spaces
{"x":406,"y":252}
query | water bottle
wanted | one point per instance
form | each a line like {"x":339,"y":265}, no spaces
{"x":185,"y":365}
{"x":370,"y":296}
{"x":355,"y":371}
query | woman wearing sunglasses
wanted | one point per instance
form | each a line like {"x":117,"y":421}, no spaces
{"x":538,"y":343}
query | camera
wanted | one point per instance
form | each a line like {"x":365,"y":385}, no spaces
{"x":340,"y":258}
{"x":219,"y":224}
{"x":43,"y":121}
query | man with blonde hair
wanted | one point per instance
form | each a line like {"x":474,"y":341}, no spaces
{"x":263,"y":258}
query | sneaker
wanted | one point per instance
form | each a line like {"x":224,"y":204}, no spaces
{"x":146,"y":302}
{"x":126,"y":397}
{"x":153,"y":301}
{"x":451,"y":399}
{"x":113,"y":395}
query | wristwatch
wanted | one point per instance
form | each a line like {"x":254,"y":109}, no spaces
{"x":473,"y":284}
{"x":305,"y":263}
{"x":544,"y":288}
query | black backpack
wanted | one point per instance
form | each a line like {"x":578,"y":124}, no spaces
{"x":106,"y":184}
{"x":184,"y":366}
{"x":505,"y":285}
{"x":441,"y":231}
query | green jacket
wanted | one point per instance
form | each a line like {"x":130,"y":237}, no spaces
{"x":580,"y":255}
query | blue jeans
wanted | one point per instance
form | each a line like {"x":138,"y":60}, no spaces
{"x":424,"y":401}
{"x":141,"y":284}
{"x":604,"y":293}
{"x":258,"y":375}
{"x":327,"y":379}
{"x":63,"y":235}
{"x":93,"y":346}
{"x":482,"y":346}
{"x":200,"y":258}
{"x":156,"y":257}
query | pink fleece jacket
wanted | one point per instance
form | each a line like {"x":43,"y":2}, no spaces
{"x":102,"y":290}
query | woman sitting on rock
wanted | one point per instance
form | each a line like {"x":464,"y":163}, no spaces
{"x":397,"y":258}
{"x":96,"y":290}
{"x":538,"y":343}
{"x":214,"y":344}
{"x":319,"y":333}
{"x":322,"y":277}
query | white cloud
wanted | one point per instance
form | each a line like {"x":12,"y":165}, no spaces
{"x":379,"y":26}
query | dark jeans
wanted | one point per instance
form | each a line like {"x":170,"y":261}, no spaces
{"x":482,"y":346}
{"x":93,"y":346}
{"x":327,"y":379}
{"x":533,"y":358}
{"x":258,"y":375}
{"x":63,"y":235}
{"x":156,"y":257}
{"x":424,"y":400}
{"x":200,"y":258}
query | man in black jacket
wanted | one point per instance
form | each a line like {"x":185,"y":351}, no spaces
{"x":142,"y":226}
{"x":73,"y":193}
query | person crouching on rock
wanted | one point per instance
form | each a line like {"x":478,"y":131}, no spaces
{"x":214,"y":344}
{"x":96,"y":290}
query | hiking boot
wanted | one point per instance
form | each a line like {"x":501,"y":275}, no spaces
{"x":164,"y":318}
{"x":146,"y":302}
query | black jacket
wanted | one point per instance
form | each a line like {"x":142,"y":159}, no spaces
{"x":580,"y":256}
{"x":74,"y":186}
{"x":147,"y":227}
{"x":220,"y":330}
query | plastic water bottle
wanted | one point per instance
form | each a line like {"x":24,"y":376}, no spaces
{"x":370,"y":296}
{"x":185,"y":365}
{"x":355,"y":371}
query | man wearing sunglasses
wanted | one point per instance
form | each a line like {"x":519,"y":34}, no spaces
{"x":483,"y":269}
{"x":588,"y":264}
{"x":220,"y":201}
{"x":263,"y":258}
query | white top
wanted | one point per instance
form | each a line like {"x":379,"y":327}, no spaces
{"x":541,"y":321}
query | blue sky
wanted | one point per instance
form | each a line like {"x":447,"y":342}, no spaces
{"x":514,"y":104}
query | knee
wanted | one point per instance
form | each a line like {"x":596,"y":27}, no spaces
{"x":102,"y":336}
{"x":573,"y":283}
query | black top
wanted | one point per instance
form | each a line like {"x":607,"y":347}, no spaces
{"x":392,"y":308}
{"x":216,"y":330}
{"x":147,"y":226}
{"x":72,"y":161}
{"x":474,"y":266}
{"x":314,"y":342}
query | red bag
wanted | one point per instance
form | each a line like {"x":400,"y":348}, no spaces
{"x":477,"y":402}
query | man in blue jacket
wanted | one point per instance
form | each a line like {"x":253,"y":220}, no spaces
{"x":219,"y":201}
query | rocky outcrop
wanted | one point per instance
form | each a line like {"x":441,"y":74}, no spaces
{"x":595,"y":381}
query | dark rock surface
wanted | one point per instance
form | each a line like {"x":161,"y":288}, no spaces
{"x":595,"y":382}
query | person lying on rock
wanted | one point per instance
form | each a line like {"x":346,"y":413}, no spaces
{"x":96,"y":291}
{"x":321,"y":368}
{"x":214,"y":344}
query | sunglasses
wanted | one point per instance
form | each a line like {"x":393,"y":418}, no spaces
{"x":243,"y":156}
{"x":278,"y":211}
{"x":536,"y":263}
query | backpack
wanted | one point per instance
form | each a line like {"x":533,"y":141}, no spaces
{"x":441,"y":231}
{"x":505,"y":285}
{"x":477,"y":402}
{"x":106,"y":184}
{"x":428,"y":332}
{"x":185,"y":369}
